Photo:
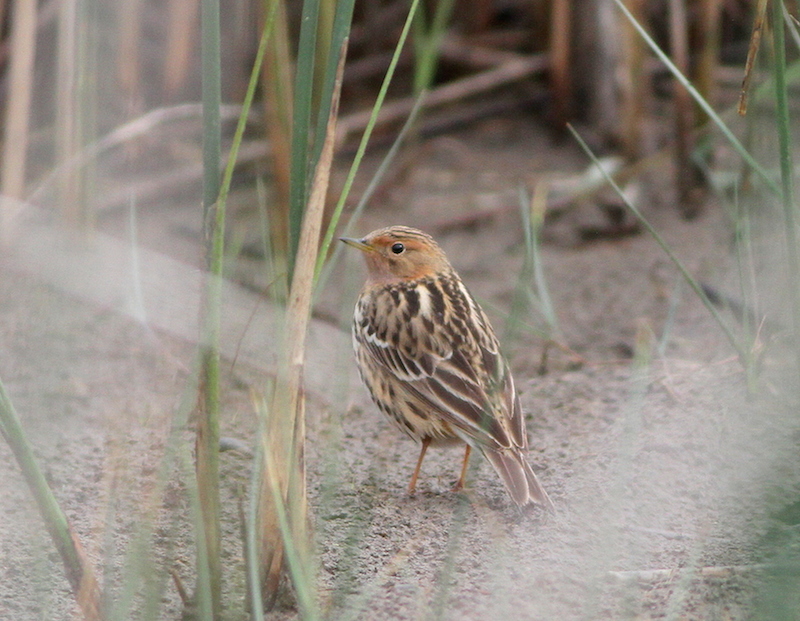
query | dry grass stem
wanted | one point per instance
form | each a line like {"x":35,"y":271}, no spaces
{"x":560,"y":65}
{"x":633,"y":89}
{"x":658,"y":575}
{"x":284,"y":436}
{"x":686,"y":177}
{"x":276,"y":81}
{"x":457,"y":90}
{"x":20,"y":88}
{"x":128,"y":60}
{"x":709,"y":37}
{"x":180,"y":44}
{"x":752,"y":52}
{"x":68,"y":114}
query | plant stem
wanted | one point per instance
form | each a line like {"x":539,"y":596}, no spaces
{"x":209,"y":568}
{"x":78,"y":568}
{"x":787,"y":185}
{"x":283,"y":500}
{"x":301,"y":124}
{"x":362,"y":147}
{"x":706,"y":107}
{"x":665,"y":246}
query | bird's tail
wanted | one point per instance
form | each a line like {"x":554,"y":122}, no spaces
{"x":519,"y":478}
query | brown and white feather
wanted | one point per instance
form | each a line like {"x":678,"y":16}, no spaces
{"x":432,"y":363}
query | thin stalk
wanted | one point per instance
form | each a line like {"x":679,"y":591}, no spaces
{"x":295,"y":551}
{"x":78,"y":568}
{"x":752,"y":52}
{"x":747,"y":279}
{"x":686,"y":172}
{"x":217,"y":254}
{"x":560,"y":49}
{"x":323,"y":269}
{"x":227,"y":175}
{"x":538,"y":207}
{"x":67,"y":121}
{"x":215,"y":199}
{"x":283,"y":500}
{"x":531,"y":290}
{"x":17,"y":115}
{"x":523,"y":299}
{"x":712,"y":114}
{"x":278,"y":96}
{"x":181,"y":31}
{"x":255,"y":603}
{"x":209,"y":574}
{"x":212,"y":98}
{"x":444,"y":579}
{"x":428,"y":50}
{"x":787,"y":181}
{"x":362,"y":147}
{"x":660,"y":240}
{"x":143,"y":579}
{"x":342,"y":19}
{"x":669,"y":322}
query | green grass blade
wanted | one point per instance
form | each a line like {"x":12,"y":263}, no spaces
{"x":536,"y":219}
{"x":712,"y":114}
{"x":256,"y":602}
{"x":242,"y":122}
{"x":323,"y":269}
{"x":673,"y":257}
{"x":340,"y":31}
{"x":427,"y":50}
{"x":337,"y":212}
{"x":209,"y":565}
{"x":79,"y":572}
{"x":301,"y":125}
{"x":787,"y":168}
{"x":212,"y":97}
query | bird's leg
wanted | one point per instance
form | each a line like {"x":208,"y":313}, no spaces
{"x":413,"y":483}
{"x":460,"y":483}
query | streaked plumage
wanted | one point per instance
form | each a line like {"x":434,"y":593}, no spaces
{"x":431,"y":361}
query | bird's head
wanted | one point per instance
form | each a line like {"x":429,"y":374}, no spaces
{"x":400,"y":253}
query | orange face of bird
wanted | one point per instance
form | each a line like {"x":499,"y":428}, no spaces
{"x":399,"y":253}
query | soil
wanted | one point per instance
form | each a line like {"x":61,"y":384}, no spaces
{"x":665,"y":461}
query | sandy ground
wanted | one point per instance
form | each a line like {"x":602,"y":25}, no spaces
{"x":665,"y":470}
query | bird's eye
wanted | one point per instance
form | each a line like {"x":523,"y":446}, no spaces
{"x":398,"y":248}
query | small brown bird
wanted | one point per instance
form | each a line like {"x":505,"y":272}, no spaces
{"x":431,"y":361}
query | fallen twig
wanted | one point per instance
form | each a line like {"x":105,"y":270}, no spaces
{"x":456,"y":90}
{"x":124,"y":133}
{"x":724,"y":571}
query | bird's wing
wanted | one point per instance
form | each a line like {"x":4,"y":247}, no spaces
{"x":468,"y":385}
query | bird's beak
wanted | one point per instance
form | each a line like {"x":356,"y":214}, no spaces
{"x":357,"y":243}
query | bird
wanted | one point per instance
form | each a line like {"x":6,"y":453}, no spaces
{"x":431,"y":361}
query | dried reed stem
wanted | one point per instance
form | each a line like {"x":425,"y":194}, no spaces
{"x":456,"y":90}
{"x":752,"y":52}
{"x":20,"y":87}
{"x":708,"y":25}
{"x":634,"y":86}
{"x":686,"y":175}
{"x":276,"y":81}
{"x":128,"y":60}
{"x":560,"y":69}
{"x":284,"y":436}
{"x":68,"y":114}
{"x":209,"y":561}
{"x":181,"y":42}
